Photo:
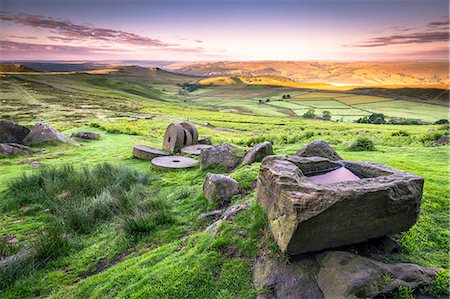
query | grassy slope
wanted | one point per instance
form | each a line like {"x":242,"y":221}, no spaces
{"x":178,"y":260}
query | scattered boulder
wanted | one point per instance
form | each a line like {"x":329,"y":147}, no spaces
{"x":147,"y":152}
{"x":10,"y":132}
{"x":307,"y":216}
{"x":442,"y":141}
{"x":319,"y":148}
{"x":234,"y":210}
{"x":35,"y":164}
{"x":346,"y":275}
{"x":219,"y":188}
{"x":258,"y":152}
{"x":336,"y":274}
{"x":41,"y":133}
{"x":204,"y":139}
{"x":8,"y":149}
{"x":86,"y":135}
{"x":221,"y":156}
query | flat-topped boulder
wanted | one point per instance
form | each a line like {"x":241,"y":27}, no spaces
{"x":42,"y":133}
{"x":10,"y":132}
{"x":174,"y":162}
{"x":221,"y":156}
{"x":319,"y":148}
{"x":195,"y":149}
{"x":306,"y":215}
{"x":148,"y":153}
{"x":219,"y":188}
{"x":258,"y":152}
{"x":86,"y":135}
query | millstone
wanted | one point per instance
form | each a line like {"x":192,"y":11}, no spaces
{"x":195,"y":149}
{"x":192,"y":129}
{"x":173,"y":138}
{"x":187,"y":137}
{"x":147,"y":153}
{"x":173,"y":162}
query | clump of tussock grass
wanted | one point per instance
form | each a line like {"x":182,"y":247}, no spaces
{"x":362,"y":144}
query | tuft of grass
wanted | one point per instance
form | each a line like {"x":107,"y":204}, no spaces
{"x":362,"y":144}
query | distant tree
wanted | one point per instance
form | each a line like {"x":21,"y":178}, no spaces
{"x":309,"y":114}
{"x":326,"y":114}
{"x":377,"y":118}
{"x":441,"y":122}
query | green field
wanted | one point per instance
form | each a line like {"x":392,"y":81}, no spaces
{"x":172,"y":256}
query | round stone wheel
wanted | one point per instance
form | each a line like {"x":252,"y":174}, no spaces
{"x":147,"y":152}
{"x":191,"y":127}
{"x":173,"y":138}
{"x":174,"y":162}
{"x":187,"y":137}
{"x":195,"y":149}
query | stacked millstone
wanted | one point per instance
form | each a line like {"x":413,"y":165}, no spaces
{"x":180,"y":135}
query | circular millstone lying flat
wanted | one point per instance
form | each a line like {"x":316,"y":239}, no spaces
{"x":147,"y":152}
{"x":174,"y":162}
{"x":174,"y":138}
{"x":195,"y":149}
{"x":192,"y":129}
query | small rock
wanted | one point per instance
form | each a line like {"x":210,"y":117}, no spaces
{"x":204,"y":139}
{"x":319,"y":148}
{"x":233,"y":210}
{"x":442,"y":141}
{"x":86,"y":135}
{"x":213,"y":227}
{"x":347,"y":144}
{"x":219,"y":188}
{"x":41,"y":133}
{"x":35,"y":164}
{"x":221,"y":156}
{"x":258,"y":152}
{"x":211,"y":213}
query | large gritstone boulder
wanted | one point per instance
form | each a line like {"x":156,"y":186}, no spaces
{"x":219,"y":188}
{"x":307,"y":213}
{"x":41,"y":133}
{"x":258,"y":152}
{"x":10,"y":132}
{"x":318,"y":148}
{"x":221,"y":156}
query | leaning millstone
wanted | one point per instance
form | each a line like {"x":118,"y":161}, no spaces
{"x":9,"y":149}
{"x":174,"y":138}
{"x":10,"y":132}
{"x":234,"y":210}
{"x":346,"y":275}
{"x":41,"y":133}
{"x":204,"y":139}
{"x":173,"y":162}
{"x":306,"y":215}
{"x":221,"y":156}
{"x":187,"y":137}
{"x":318,"y":148}
{"x":219,"y":188}
{"x":258,"y":152}
{"x":192,"y":130}
{"x":147,"y":152}
{"x":195,"y":149}
{"x":86,"y":135}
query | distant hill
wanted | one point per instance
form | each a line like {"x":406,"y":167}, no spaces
{"x":429,"y":74}
{"x":14,"y":67}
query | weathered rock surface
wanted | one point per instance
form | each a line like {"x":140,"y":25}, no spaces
{"x":258,"y":152}
{"x":234,"y":210}
{"x":9,"y":149}
{"x":147,"y":152}
{"x":174,"y":138}
{"x":442,"y":141}
{"x":213,"y":227}
{"x":336,"y":274}
{"x":318,"y":148}
{"x":190,"y":127}
{"x":221,"y":156}
{"x":213,"y":213}
{"x":219,"y":188}
{"x":306,"y":216}
{"x":86,"y":135}
{"x":195,"y":149}
{"x":41,"y":133}
{"x":204,"y":139}
{"x":10,"y":132}
{"x":346,"y":275}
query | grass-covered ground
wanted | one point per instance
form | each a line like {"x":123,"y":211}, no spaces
{"x":124,"y":229}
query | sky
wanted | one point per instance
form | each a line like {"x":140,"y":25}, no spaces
{"x":224,"y":30}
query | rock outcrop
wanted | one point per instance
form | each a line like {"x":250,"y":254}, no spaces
{"x":258,"y":152}
{"x":10,"y":132}
{"x":318,"y":148}
{"x":41,"y":133}
{"x":219,"y":188}
{"x":307,"y":216}
{"x":221,"y":156}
